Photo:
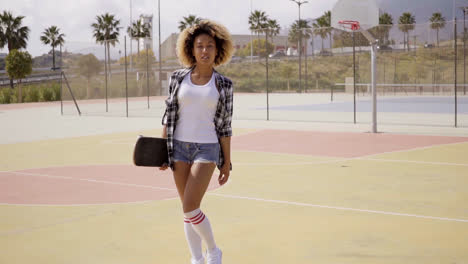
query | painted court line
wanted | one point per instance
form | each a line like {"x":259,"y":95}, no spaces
{"x":288,"y":163}
{"x":417,"y":162}
{"x":90,"y":204}
{"x":261,"y":199}
{"x":338,"y":208}
{"x":413,"y":149}
{"x":92,"y":180}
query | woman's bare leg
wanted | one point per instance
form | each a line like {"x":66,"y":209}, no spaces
{"x":197,"y":184}
{"x":181,"y":173}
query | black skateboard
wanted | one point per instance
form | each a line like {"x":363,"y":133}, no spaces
{"x":150,"y":152}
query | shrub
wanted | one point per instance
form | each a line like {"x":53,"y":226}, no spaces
{"x":47,"y":94}
{"x":6,"y":96}
{"x":32,"y":94}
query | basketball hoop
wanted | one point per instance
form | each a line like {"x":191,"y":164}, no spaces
{"x":350,"y":24}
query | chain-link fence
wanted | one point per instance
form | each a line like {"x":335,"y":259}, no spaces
{"x":106,"y":80}
{"x":416,"y":76}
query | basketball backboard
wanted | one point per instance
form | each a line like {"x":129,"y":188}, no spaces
{"x":366,"y":12}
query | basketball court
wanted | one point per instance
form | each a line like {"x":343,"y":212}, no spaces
{"x":308,"y":187}
{"x":299,"y":193}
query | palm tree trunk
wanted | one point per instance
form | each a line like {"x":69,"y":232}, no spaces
{"x":53,"y":58}
{"x":20,"y":92}
{"x":9,"y":50}
{"x":305,"y":77}
{"x":138,"y":46}
{"x":404,"y":40}
{"x":108,"y":58}
{"x":437,"y":30}
{"x":259,"y":47}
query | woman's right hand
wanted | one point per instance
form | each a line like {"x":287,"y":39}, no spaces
{"x":164,"y":167}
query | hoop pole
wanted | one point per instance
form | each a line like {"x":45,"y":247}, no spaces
{"x":374,"y":92}
{"x":126,"y":78}
{"x":354,"y":76}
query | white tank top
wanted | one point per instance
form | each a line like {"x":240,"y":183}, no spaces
{"x":197,"y":108}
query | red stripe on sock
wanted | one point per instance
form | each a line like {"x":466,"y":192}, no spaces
{"x":192,"y":218}
{"x":197,"y":218}
{"x":186,"y":221}
{"x":203,"y":218}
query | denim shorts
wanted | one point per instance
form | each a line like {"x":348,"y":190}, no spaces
{"x":196,"y":152}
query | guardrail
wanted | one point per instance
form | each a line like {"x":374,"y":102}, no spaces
{"x":33,"y":78}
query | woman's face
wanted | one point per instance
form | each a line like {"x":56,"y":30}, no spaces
{"x":204,"y":50}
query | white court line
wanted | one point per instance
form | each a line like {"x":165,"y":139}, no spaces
{"x":132,"y":140}
{"x":417,"y":162}
{"x":413,"y":149}
{"x":365,"y":157}
{"x":288,"y":163}
{"x":97,"y":181}
{"x":264,"y":200}
{"x":91,"y":204}
{"x":289,"y":154}
{"x":66,"y":166}
{"x":337,"y":208}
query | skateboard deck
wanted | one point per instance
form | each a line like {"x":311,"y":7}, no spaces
{"x":150,"y":152}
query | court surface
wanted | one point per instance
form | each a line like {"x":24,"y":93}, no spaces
{"x":420,"y":104}
{"x":299,"y":193}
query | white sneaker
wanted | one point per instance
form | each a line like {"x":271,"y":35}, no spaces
{"x":200,"y":261}
{"x":214,"y":257}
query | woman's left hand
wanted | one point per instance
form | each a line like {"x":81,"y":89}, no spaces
{"x":224,"y":173}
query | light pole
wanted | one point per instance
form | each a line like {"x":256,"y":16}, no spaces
{"x":299,"y":3}
{"x":251,"y":43}
{"x":465,"y":9}
{"x":159,"y":47}
{"x":130,"y":37}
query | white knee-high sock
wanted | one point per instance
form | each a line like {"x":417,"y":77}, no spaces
{"x":202,"y":226}
{"x":194,"y":240}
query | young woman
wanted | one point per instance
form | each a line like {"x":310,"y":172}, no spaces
{"x":197,"y":124}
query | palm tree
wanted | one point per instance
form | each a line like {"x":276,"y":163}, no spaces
{"x":437,"y":22}
{"x":106,"y":31}
{"x":385,"y":22}
{"x":320,"y":28}
{"x":300,"y":30}
{"x":257,"y":21}
{"x":326,"y":25}
{"x":53,"y":37}
{"x":12,"y":33}
{"x":138,"y":30}
{"x":405,"y":24}
{"x":188,"y":21}
{"x":273,"y":28}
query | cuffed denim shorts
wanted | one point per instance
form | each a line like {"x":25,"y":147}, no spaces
{"x":196,"y":152}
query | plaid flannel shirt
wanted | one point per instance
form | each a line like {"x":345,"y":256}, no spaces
{"x":223,"y":115}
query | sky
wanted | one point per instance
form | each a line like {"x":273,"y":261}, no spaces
{"x":75,"y":17}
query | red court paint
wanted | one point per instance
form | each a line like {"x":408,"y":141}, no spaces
{"x":335,"y":144}
{"x":96,"y":184}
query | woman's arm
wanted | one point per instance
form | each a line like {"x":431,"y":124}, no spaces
{"x":164,"y":132}
{"x":225,"y":170}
